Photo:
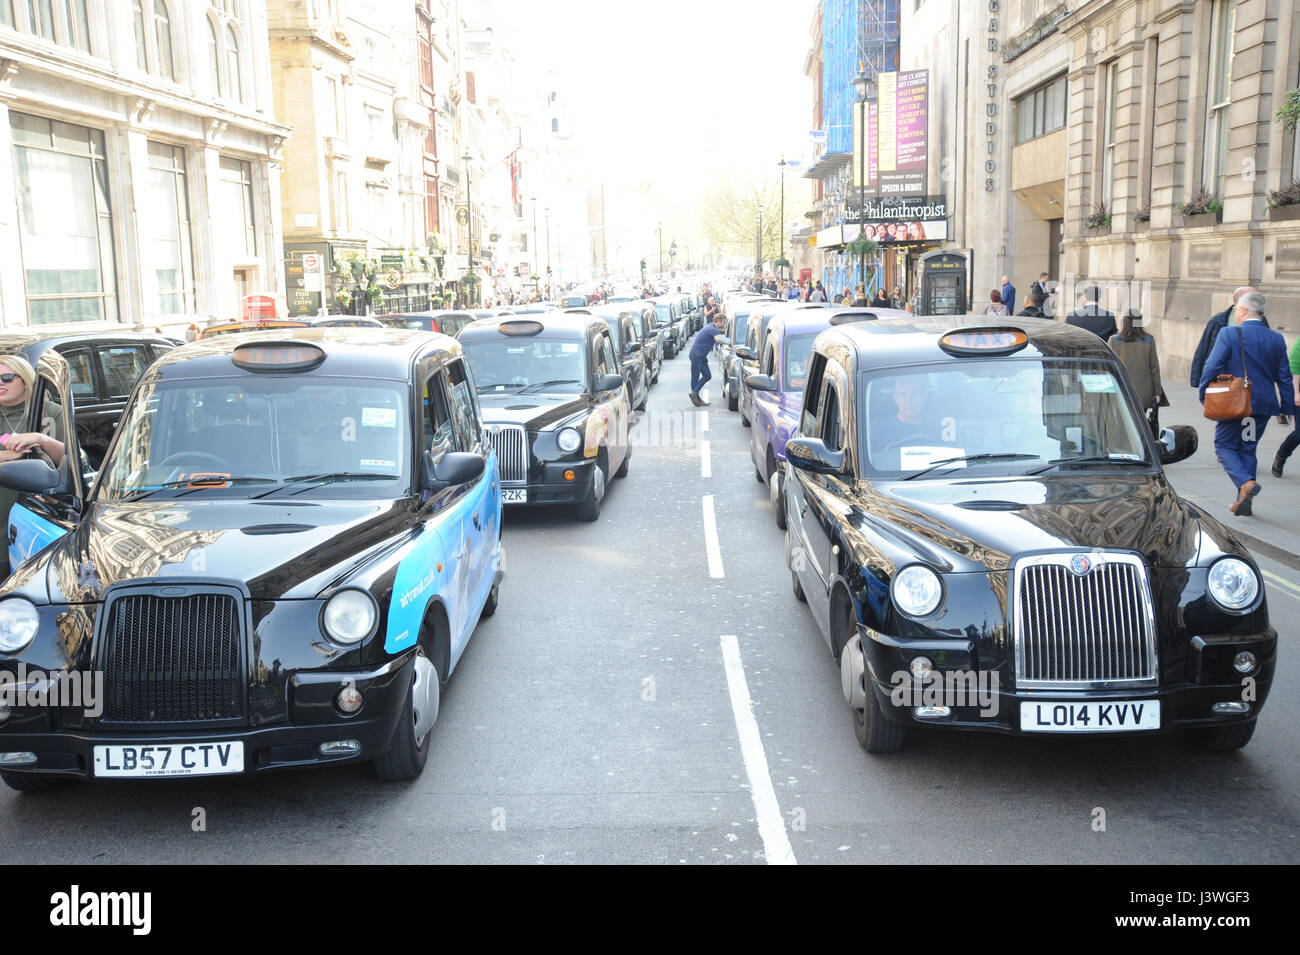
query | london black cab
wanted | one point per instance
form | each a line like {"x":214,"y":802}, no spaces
{"x":282,"y":559}
{"x":624,"y":323}
{"x":555,"y":406}
{"x":979,"y":521}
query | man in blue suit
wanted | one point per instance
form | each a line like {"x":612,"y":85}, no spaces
{"x":1008,"y":295}
{"x":1262,"y":353}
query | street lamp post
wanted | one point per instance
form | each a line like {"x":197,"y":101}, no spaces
{"x":661,"y":248}
{"x":469,"y":226}
{"x":865,"y":86}
{"x":534,"y":256}
{"x":548,"y":251}
{"x":672,"y":257}
{"x":758,"y":260}
{"x":782,"y":164}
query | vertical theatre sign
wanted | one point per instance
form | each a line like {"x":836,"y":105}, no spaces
{"x":902,"y":122}
{"x":991,"y":108}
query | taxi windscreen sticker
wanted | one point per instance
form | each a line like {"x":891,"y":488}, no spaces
{"x":378,"y":464}
{"x":569,"y":348}
{"x":379,"y":417}
{"x":1099,"y":384}
{"x":916,"y":457}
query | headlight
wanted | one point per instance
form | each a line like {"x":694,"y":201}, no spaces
{"x":568,"y":440}
{"x":349,"y":616}
{"x":18,"y":624}
{"x":1234,"y":585}
{"x":916,"y":590}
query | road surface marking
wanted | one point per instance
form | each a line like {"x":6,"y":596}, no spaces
{"x":711,"y":539}
{"x":706,"y":465}
{"x":703,"y":417}
{"x":771,"y":824}
{"x":1291,"y":589}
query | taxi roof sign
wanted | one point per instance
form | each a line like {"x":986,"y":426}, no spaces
{"x":277,"y":356}
{"x":984,"y":341}
{"x":527,"y":327}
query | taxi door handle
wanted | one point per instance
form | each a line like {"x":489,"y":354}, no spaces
{"x":478,"y":525}
{"x":13,"y":533}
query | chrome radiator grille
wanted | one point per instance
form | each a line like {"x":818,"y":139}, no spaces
{"x":1076,"y":629}
{"x":173,"y":659}
{"x":511,"y":444}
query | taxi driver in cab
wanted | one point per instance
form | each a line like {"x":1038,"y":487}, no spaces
{"x":909,"y":418}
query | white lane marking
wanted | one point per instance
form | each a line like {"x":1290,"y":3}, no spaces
{"x":711,"y":539}
{"x":771,"y":824}
{"x":706,"y":463}
{"x":703,"y":417}
{"x":1291,"y":589}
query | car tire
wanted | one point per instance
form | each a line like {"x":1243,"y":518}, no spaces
{"x":774,"y":490}
{"x":1222,"y":739}
{"x":799,"y":595}
{"x":24,"y":783}
{"x":733,"y":401}
{"x":627,"y":461}
{"x":406,"y":755}
{"x":589,"y":508}
{"x":745,"y":421}
{"x":490,"y":605}
{"x":875,"y":733}
{"x":645,"y":397}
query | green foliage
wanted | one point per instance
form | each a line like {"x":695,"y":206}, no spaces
{"x":1288,"y":114}
{"x":1199,"y":202}
{"x":1286,"y":196}
{"x":1100,"y":217}
{"x":730,"y":218}
{"x":862,"y":246}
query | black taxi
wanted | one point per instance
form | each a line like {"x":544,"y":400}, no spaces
{"x":555,"y":405}
{"x":282,"y":559}
{"x":979,"y":520}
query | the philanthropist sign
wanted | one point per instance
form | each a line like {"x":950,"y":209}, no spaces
{"x":894,"y":220}
{"x":902,"y":126}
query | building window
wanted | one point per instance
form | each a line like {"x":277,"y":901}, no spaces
{"x":165,"y":231}
{"x":341,"y":218}
{"x":141,"y":49}
{"x":1040,"y":111}
{"x":163,"y":38}
{"x":7,"y":13}
{"x":1218,"y":96}
{"x":78,"y":24}
{"x":214,"y":59}
{"x":234,"y":80}
{"x":1110,"y":133}
{"x":65,"y":221}
{"x":235,"y":184}
{"x":40,"y":18}
{"x":430,"y":205}
{"x":555,"y":125}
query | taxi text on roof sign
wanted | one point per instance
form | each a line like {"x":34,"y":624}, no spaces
{"x":984,"y":341}
{"x":277,"y":356}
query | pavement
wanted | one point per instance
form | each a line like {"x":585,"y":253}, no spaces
{"x":1274,"y":527}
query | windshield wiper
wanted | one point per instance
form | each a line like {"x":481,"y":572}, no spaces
{"x":546,"y":384}
{"x":1087,"y":459}
{"x":1000,"y":456}
{"x":198,"y":482}
{"x":315,"y":480}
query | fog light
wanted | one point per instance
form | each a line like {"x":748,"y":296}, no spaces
{"x":570,"y":475}
{"x":1231,"y":706}
{"x":17,"y":759}
{"x":922,"y":670}
{"x":930,"y":712}
{"x":349,"y":700}
{"x":340,"y":747}
{"x":1244,"y":662}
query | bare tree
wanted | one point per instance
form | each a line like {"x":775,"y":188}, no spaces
{"x":730,"y":218}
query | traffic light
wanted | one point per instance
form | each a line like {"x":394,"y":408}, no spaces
{"x":643,"y":265}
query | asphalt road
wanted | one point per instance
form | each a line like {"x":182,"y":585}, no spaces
{"x":595,"y":718}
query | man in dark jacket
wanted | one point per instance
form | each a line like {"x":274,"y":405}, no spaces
{"x":1033,"y":305}
{"x":1008,"y":293}
{"x":1216,"y":324}
{"x":1252,"y":351}
{"x":1092,"y":316}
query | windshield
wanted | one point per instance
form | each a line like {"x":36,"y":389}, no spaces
{"x":236,"y":437}
{"x":1050,"y":411}
{"x":739,"y":326}
{"x":798,"y":350}
{"x":663,"y":314}
{"x":537,"y":364}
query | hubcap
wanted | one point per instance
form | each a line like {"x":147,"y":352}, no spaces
{"x":424,"y":697}
{"x":599,"y":483}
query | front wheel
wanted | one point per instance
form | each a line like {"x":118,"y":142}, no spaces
{"x":875,"y":733}
{"x":589,"y":509}
{"x":490,"y":605}
{"x":1222,"y":739}
{"x":622,"y":468}
{"x":409,"y":749}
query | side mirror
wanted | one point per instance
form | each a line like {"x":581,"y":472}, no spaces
{"x":455,"y":467}
{"x":812,"y":455}
{"x":1177,"y":443}
{"x":609,"y":382}
{"x":632,"y":348}
{"x":761,"y":382}
{"x":744,"y":351}
{"x":29,"y":475}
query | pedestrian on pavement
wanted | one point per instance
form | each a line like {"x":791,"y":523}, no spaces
{"x":1092,"y":316}
{"x":1217,"y":323}
{"x":847,"y":297}
{"x":881,"y":300}
{"x":1041,"y":286}
{"x":792,"y":293}
{"x":1008,"y":295}
{"x":1033,"y":305}
{"x":1290,"y":442}
{"x":896,"y":299}
{"x":1136,"y":351}
{"x":1257,"y":353}
{"x":818,"y":294}
{"x":701,"y":345}
{"x":995,"y":306}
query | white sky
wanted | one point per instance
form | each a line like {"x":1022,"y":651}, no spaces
{"x":676,"y":92}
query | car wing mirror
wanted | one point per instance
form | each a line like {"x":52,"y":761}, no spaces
{"x":812,"y":455}
{"x":632,"y":348}
{"x":609,"y":382}
{"x":452,"y":468}
{"x":1177,"y":443}
{"x":760,"y":382}
{"x":744,"y":351}
{"x":29,"y":475}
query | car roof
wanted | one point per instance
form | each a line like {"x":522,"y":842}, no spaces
{"x":349,"y":352}
{"x":570,"y":324}
{"x":891,"y":340}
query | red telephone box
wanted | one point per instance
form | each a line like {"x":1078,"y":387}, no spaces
{"x":263,"y":307}
{"x":805,"y":276}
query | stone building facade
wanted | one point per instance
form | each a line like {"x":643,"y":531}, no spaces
{"x":139,"y":162}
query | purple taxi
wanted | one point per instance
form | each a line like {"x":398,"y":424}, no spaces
{"x":779,"y":385}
